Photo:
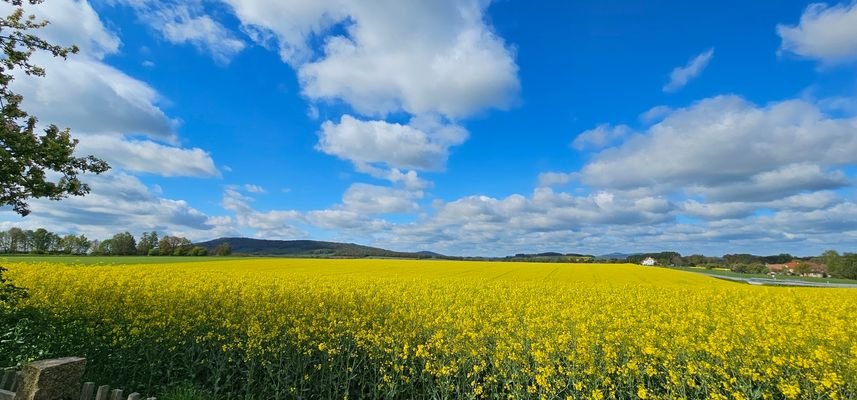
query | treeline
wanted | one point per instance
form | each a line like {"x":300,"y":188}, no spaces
{"x":674,"y":259}
{"x":830,"y":263}
{"x":841,"y":266}
{"x":42,"y":241}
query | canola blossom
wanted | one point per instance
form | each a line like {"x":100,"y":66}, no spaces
{"x":351,"y":329}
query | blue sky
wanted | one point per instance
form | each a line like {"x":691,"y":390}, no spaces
{"x":461,"y":126}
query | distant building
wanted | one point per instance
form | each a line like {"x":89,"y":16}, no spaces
{"x":779,"y":268}
{"x":810,"y":268}
{"x":648,"y":261}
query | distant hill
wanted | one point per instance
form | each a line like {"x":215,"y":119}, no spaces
{"x":615,"y":256}
{"x":308,"y":248}
{"x":550,"y":254}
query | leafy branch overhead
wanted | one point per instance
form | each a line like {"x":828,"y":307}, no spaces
{"x":33,"y":165}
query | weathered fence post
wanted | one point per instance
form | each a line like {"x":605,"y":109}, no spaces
{"x":57,"y":379}
{"x":52,"y":379}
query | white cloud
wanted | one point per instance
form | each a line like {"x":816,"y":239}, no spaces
{"x":149,"y":157}
{"x":842,"y":104}
{"x":436,"y":57}
{"x":291,"y":23}
{"x":655,"y":114}
{"x":275,"y":224}
{"x":839,"y":218}
{"x":92,"y":97}
{"x":346,"y":222}
{"x":72,"y":22}
{"x":776,"y":184}
{"x":118,"y":202}
{"x":204,"y":33}
{"x":82,"y":92}
{"x":185,"y":22}
{"x":553,"y":178}
{"x":740,"y":209}
{"x":716,"y":145}
{"x":824,"y":33}
{"x":547,"y":210}
{"x":718,"y":211}
{"x":601,"y":136}
{"x":102,"y":105}
{"x":681,"y":75}
{"x":254,"y":189}
{"x":371,"y":199}
{"x":391,"y":144}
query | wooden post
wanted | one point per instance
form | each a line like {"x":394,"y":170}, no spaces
{"x":51,"y":379}
{"x":102,"y":392}
{"x":87,"y":390}
{"x":6,"y":383}
{"x":9,"y":384}
{"x":17,"y":382}
{"x":7,"y":379}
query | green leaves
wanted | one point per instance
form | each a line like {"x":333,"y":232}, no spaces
{"x":33,"y":165}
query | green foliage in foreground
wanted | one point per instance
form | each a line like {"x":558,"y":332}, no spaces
{"x":185,"y":392}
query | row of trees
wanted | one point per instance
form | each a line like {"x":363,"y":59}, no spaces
{"x":42,"y":241}
{"x":838,"y":266}
{"x":841,"y":266}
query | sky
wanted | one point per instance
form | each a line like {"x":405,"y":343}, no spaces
{"x":465,"y":127}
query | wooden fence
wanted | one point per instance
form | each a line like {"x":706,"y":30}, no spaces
{"x":57,"y":379}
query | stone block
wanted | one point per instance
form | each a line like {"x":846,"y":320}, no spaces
{"x":57,"y":379}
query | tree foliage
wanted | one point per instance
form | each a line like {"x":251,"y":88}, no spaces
{"x":223,"y":249}
{"x":33,"y":165}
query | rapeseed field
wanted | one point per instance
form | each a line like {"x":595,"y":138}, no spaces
{"x":352,"y":329}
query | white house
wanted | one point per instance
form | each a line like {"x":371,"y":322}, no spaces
{"x":648,"y":261}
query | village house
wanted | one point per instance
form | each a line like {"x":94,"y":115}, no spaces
{"x":648,"y":261}
{"x":810,"y":268}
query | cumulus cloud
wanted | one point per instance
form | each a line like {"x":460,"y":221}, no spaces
{"x":205,"y":34}
{"x":655,"y":114}
{"x":73,"y":23}
{"x":147,"y":156}
{"x":680,"y":76}
{"x":355,"y":214}
{"x":547,"y":210}
{"x":90,"y":96}
{"x":717,"y":144}
{"x":601,"y":136}
{"x":255,"y":189}
{"x":775,"y":184}
{"x":75,"y":90}
{"x":373,"y":199}
{"x":118,"y":202}
{"x":186,"y":23}
{"x":553,"y":178}
{"x":419,"y":145}
{"x":102,"y":105}
{"x":274,"y":224}
{"x":824,"y":33}
{"x":436,"y":57}
{"x":839,"y":218}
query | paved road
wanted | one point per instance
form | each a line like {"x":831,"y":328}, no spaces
{"x":783,"y":282}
